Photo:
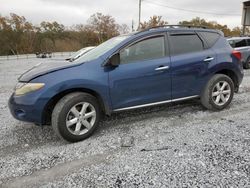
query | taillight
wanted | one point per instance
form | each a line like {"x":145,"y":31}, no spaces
{"x":237,"y":54}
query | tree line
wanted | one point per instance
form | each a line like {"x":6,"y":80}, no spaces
{"x":19,"y":36}
{"x":158,"y":21}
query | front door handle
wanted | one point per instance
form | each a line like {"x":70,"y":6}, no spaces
{"x":162,"y":68}
{"x":208,"y":59}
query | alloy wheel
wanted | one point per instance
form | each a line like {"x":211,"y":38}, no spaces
{"x":81,"y":118}
{"x":221,"y":93}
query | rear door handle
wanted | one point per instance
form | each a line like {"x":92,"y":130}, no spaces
{"x":162,"y":68}
{"x":208,"y":59}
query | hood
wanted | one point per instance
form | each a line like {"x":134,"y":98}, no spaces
{"x":45,"y":68}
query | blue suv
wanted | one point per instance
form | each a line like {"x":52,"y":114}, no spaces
{"x":151,"y":67}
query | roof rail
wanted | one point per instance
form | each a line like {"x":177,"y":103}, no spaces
{"x":173,"y":26}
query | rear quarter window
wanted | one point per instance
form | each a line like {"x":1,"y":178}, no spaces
{"x":210,"y":37}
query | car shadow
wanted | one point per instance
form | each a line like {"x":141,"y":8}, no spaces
{"x":42,"y":135}
{"x":171,"y":110}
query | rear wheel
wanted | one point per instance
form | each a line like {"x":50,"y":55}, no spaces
{"x":218,"y":92}
{"x":76,"y":116}
{"x":247,"y":63}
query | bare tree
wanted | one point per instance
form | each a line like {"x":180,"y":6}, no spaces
{"x":104,"y":26}
{"x":123,"y":29}
{"x":153,"y":22}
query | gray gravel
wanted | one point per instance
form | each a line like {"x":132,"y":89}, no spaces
{"x":176,"y":145}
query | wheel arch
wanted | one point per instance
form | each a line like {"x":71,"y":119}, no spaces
{"x":231,"y":74}
{"x":47,"y":111}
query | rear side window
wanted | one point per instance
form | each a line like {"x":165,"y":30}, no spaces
{"x":151,"y":48}
{"x":210,"y":37}
{"x":185,"y":43}
{"x":240,"y":43}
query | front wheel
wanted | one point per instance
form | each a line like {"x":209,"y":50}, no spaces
{"x":218,"y":92}
{"x":76,"y":116}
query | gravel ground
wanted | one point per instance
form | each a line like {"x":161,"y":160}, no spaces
{"x":177,"y":145}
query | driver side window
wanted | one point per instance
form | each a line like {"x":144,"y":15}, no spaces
{"x":150,"y":48}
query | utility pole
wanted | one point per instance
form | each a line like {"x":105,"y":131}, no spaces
{"x":246,"y":16}
{"x":132,"y":25}
{"x":139,"y":14}
{"x":244,"y":20}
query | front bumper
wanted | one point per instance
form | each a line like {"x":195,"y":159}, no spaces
{"x":24,"y":111}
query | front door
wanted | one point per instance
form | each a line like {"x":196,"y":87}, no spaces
{"x":143,"y":76}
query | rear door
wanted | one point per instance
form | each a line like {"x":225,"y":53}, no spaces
{"x":189,"y":63}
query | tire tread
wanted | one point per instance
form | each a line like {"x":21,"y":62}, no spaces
{"x":205,"y":96}
{"x":55,"y":118}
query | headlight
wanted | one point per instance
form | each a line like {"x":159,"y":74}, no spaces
{"x":24,"y":88}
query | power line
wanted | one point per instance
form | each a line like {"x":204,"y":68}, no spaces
{"x":188,"y":10}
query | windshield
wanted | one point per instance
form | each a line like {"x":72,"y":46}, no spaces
{"x":102,"y":48}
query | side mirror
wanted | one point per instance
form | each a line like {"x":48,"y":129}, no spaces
{"x":114,"y":60}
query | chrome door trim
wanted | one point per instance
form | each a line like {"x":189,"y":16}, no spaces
{"x":155,"y":103}
{"x":185,"y":98}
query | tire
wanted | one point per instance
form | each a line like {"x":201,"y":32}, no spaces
{"x":68,"y":112}
{"x":211,"y":92}
{"x":247,"y":63}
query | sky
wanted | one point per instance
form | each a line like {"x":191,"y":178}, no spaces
{"x":70,"y":12}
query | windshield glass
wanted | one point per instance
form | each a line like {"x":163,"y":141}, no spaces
{"x":102,"y":48}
